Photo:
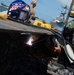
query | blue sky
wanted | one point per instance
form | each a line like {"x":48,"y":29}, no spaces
{"x":46,"y":9}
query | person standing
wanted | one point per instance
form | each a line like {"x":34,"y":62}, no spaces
{"x":32,"y":11}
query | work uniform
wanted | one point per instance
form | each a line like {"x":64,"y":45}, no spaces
{"x":32,"y":12}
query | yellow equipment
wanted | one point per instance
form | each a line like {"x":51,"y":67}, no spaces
{"x":41,"y":24}
{"x":3,"y":16}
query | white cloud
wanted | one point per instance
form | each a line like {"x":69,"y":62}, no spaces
{"x":65,"y":2}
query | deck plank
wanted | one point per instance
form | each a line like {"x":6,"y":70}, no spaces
{"x":12,"y":25}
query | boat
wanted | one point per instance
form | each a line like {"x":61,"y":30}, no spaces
{"x":58,"y":22}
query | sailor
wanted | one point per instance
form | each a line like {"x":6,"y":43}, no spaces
{"x":32,"y":11}
{"x":53,"y":45}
